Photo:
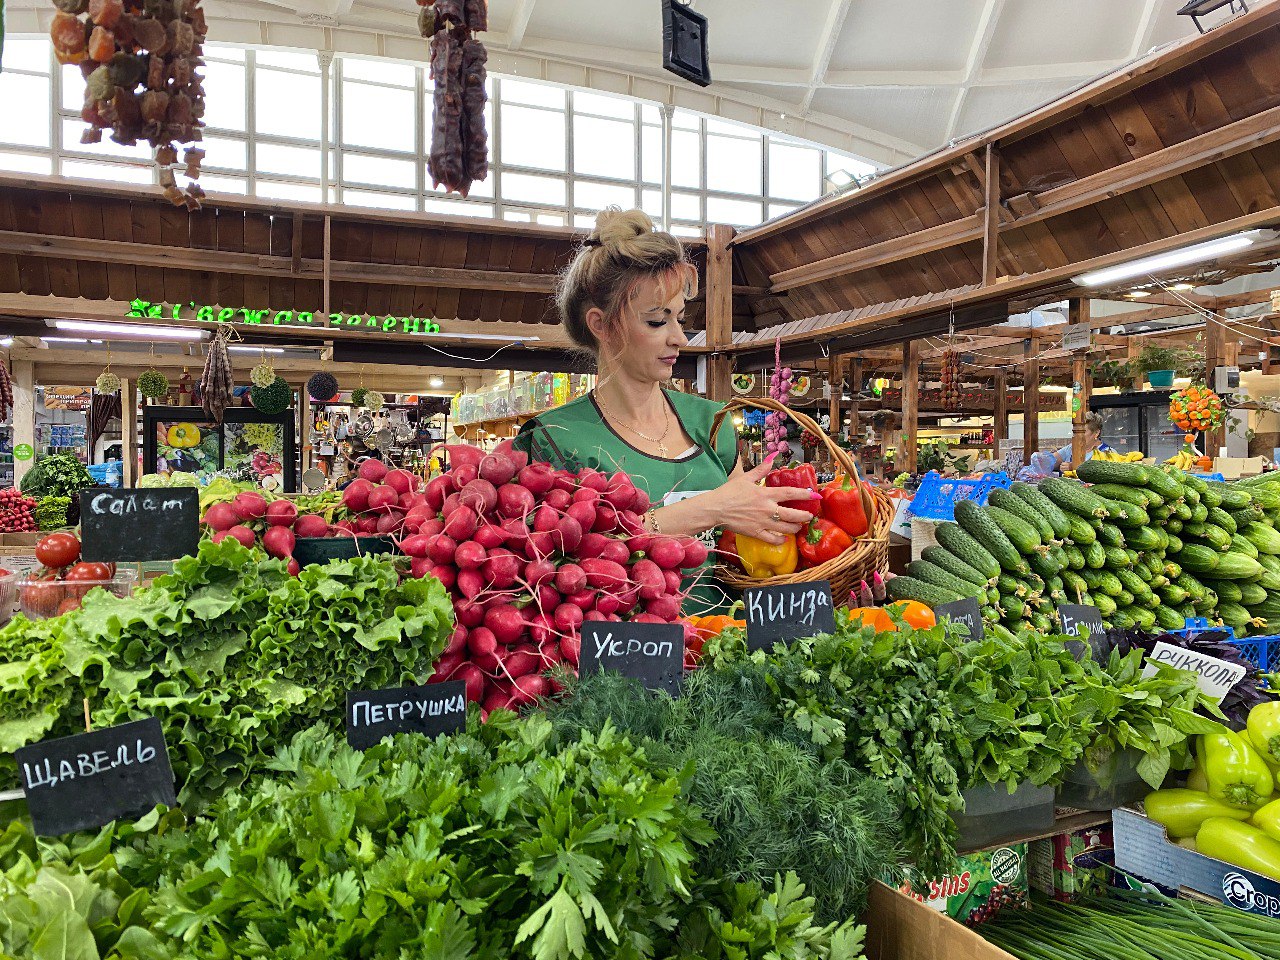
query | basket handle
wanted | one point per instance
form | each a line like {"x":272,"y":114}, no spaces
{"x":838,"y":453}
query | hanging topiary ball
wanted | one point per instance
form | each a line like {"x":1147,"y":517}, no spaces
{"x":153,"y":385}
{"x":322,"y":386}
{"x":263,"y":375}
{"x":107,"y":382}
{"x":374,"y":401}
{"x":358,"y":396}
{"x":273,"y":398}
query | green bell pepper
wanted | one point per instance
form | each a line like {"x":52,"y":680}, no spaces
{"x":1264,"y":729}
{"x":1236,"y":772}
{"x":1182,"y":811}
{"x":1240,"y":844}
{"x":1196,"y":780}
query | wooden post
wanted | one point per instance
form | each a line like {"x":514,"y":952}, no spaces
{"x":1001,"y":387}
{"x":835,"y":387}
{"x":305,"y":416}
{"x":910,"y":406}
{"x":1215,"y":355}
{"x":991,"y":217}
{"x":719,"y":301}
{"x":1082,"y":386}
{"x":855,"y":381}
{"x":129,"y":433}
{"x":24,"y":414}
{"x":1131,"y":355}
{"x":1031,"y":399}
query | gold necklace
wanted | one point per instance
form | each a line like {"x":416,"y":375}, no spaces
{"x":660,"y":441}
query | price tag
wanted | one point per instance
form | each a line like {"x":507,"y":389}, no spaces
{"x":1214,"y":677}
{"x":431,"y":711}
{"x":965,"y":614}
{"x":134,"y":526}
{"x":786,"y":613}
{"x":652,"y":653}
{"x":87,"y":780}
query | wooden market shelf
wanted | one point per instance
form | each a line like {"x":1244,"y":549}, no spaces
{"x":487,"y":425}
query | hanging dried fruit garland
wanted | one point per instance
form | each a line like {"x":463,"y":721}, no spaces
{"x":139,"y":58}
{"x":950,"y":380}
{"x":459,"y":142}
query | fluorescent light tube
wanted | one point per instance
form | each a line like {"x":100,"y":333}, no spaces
{"x":64,"y":339}
{"x":1195,"y":253}
{"x":128,"y":330}
{"x":256,"y":349}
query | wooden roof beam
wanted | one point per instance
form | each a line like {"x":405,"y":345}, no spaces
{"x":225,"y":262}
{"x":1222,"y":143}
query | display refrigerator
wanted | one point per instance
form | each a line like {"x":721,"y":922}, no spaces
{"x":252,"y":446}
{"x":1139,"y":421}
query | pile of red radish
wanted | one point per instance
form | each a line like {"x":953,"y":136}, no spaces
{"x":529,"y":553}
{"x":379,"y":501}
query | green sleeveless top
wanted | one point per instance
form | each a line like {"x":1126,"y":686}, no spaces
{"x":576,"y":435}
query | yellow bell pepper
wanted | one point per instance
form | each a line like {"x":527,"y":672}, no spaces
{"x":762,"y":560}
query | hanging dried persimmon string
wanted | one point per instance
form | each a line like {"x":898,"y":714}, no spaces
{"x":140,"y":60}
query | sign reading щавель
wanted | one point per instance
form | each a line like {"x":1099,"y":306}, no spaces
{"x":204,"y":313}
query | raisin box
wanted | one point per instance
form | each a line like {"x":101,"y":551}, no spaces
{"x":1071,"y":865}
{"x":982,"y":884}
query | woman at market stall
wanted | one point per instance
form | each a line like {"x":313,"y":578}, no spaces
{"x":622,"y":300}
{"x":1092,"y":443}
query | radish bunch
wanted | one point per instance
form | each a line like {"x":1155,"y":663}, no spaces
{"x":529,"y":554}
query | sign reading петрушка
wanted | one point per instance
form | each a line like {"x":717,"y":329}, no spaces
{"x":303,"y":319}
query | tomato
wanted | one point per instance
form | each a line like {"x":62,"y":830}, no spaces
{"x":41,"y":598}
{"x":58,"y":550}
{"x":67,"y":605}
{"x":89,"y":571}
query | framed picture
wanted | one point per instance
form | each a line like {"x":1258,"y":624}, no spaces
{"x":262,"y":446}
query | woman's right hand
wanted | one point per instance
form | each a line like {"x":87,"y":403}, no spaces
{"x":744,"y":505}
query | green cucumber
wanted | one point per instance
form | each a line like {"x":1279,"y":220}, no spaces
{"x":1109,"y":535}
{"x":1220,"y":518}
{"x":954,"y":538}
{"x":1232,"y":496}
{"x":1074,"y":497}
{"x":1146,"y":538}
{"x":1252,"y":594}
{"x":932,"y":573}
{"x":1081,"y":531}
{"x":1244,"y":545}
{"x":978,"y":524}
{"x":1236,"y":566}
{"x":1226,"y":590}
{"x":1096,"y":556}
{"x":1057,"y":519}
{"x":1110,"y":471}
{"x":949,"y":562}
{"x":909,"y":588}
{"x":1262,"y":536}
{"x":1009,"y":501}
{"x":1135,"y":495}
{"x":1021,"y":534}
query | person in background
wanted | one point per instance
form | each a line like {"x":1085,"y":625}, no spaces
{"x":1092,"y":442}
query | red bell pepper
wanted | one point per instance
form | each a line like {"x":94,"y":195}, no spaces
{"x":842,"y":505}
{"x":801,"y":475}
{"x":820,"y":541}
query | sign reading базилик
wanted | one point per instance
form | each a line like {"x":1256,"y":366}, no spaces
{"x":204,"y":313}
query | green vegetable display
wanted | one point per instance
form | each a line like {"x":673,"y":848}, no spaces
{"x":60,"y":475}
{"x":51,"y":512}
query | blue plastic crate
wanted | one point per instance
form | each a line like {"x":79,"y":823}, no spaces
{"x":937,"y":496}
{"x":1210,"y":476}
{"x":1262,"y":652}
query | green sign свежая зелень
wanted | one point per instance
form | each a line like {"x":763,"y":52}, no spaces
{"x":203,"y":313}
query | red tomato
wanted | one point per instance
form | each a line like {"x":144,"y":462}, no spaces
{"x":69,"y":604}
{"x":58,"y":550}
{"x":41,"y":598}
{"x":89,"y":571}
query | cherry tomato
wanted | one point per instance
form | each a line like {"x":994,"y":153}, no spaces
{"x":58,"y":550}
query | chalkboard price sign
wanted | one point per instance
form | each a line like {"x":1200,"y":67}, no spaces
{"x":1079,"y":618}
{"x":786,"y":613}
{"x":87,"y":780}
{"x":963,"y":613}
{"x":431,"y":710}
{"x":134,"y":526}
{"x":652,"y":653}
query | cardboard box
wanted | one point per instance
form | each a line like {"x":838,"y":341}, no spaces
{"x":1142,"y":847}
{"x":1233,"y":468}
{"x":1071,"y":865}
{"x":900,"y":928}
{"x":982,"y":884}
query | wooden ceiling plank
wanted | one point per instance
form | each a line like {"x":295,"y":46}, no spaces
{"x":257,"y":286}
{"x":283,"y":289}
{"x":230,"y":231}
{"x":10,"y":279}
{"x":56,"y":220}
{"x":145,"y":230}
{"x":34,"y":271}
{"x":175,"y":231}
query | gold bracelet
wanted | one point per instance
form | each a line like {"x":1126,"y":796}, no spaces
{"x":652,"y":519}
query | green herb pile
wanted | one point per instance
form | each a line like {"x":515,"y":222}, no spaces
{"x":774,"y":803}
{"x":931,"y":714}
{"x":51,"y":512}
{"x":229,"y":652}
{"x":1134,"y":926}
{"x":491,"y":844}
{"x":60,"y":475}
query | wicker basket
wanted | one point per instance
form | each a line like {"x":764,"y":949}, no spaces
{"x":869,"y":553}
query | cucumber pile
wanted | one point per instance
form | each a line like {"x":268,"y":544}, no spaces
{"x":1148,"y":546}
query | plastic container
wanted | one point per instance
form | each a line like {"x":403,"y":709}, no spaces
{"x":1210,"y":476}
{"x":41,"y":599}
{"x":1262,"y":652}
{"x":937,"y":496}
{"x":1160,"y":378}
{"x":993,"y":815}
{"x":309,"y":550}
{"x":8,"y":596}
{"x":1115,"y":785}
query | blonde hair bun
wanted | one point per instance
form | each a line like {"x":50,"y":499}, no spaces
{"x":623,"y":231}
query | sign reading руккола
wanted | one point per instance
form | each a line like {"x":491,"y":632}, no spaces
{"x":431,"y":711}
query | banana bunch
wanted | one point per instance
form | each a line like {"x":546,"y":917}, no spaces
{"x":1183,"y":460}
{"x":1115,"y":456}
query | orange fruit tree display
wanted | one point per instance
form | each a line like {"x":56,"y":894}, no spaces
{"x":1197,"y":408}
